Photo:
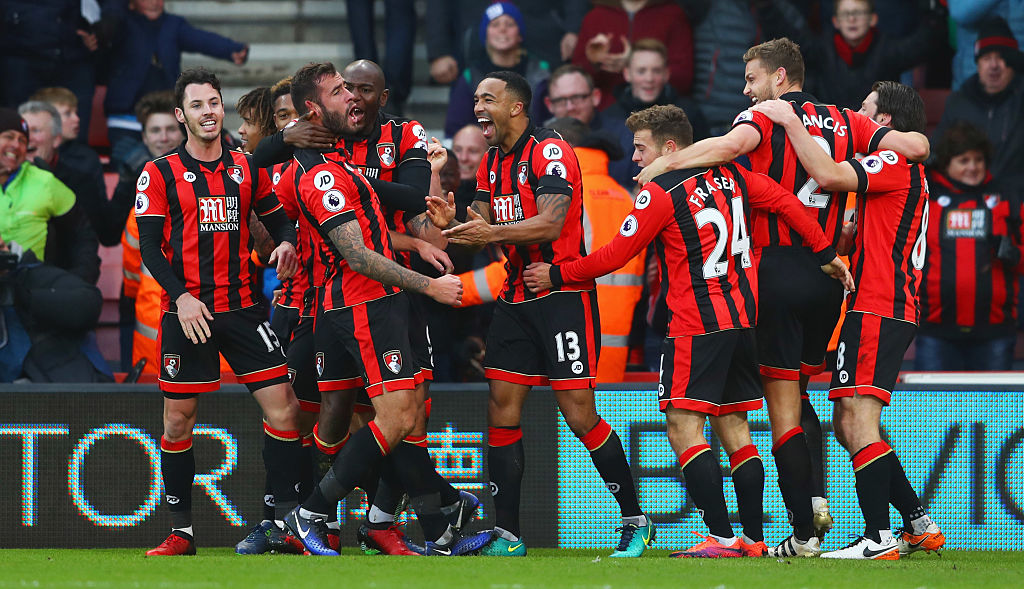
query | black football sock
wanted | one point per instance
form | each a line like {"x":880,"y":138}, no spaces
{"x":413,"y":465}
{"x":811,"y":425}
{"x":178,"y":465}
{"x":606,"y":452}
{"x":268,"y":500}
{"x":748,"y":481}
{"x":505,"y":464}
{"x":703,"y":477}
{"x":385,"y":501}
{"x":902,"y":494}
{"x":871,"y":470}
{"x":369,"y":482}
{"x":794,"y":465}
{"x":308,"y":476}
{"x":364,"y":449}
{"x":283,"y":456}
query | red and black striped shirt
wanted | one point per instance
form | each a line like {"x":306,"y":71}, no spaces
{"x":296,"y":292}
{"x":205,"y":210}
{"x":540,"y":163}
{"x":889,"y":247}
{"x":698,"y":220}
{"x":967,"y":290}
{"x":843,"y":133}
{"x":331,"y":193}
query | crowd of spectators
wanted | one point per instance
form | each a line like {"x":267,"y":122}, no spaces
{"x":593,"y":61}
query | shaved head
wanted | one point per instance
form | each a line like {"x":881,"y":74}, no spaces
{"x":366,"y":71}
{"x":365,"y":80}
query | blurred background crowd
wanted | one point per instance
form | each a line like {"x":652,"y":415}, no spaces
{"x":87,"y":102}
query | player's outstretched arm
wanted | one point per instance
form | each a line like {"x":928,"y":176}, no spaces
{"x":543,"y":227}
{"x":818,"y":163}
{"x":426,"y":251}
{"x":913,"y":145}
{"x":348,"y":239}
{"x":712,"y":151}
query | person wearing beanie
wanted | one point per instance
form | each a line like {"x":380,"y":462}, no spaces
{"x":29,"y":196}
{"x":993,"y":99}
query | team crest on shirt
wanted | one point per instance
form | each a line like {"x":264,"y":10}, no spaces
{"x":235,"y":172}
{"x":291,"y":375}
{"x":319,"y":363}
{"x":522,"y":172}
{"x":141,"y":203}
{"x":393,"y":360}
{"x":172,"y":365}
{"x":386,"y":153}
{"x":188,"y":177}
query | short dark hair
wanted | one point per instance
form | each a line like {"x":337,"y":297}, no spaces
{"x":258,"y":106}
{"x":779,"y":53}
{"x":516,"y":85}
{"x":282,"y":87}
{"x":196,"y":75}
{"x":960,"y":138}
{"x":664,"y":122}
{"x":573,"y":131}
{"x":161,"y":101}
{"x":304,"y":84}
{"x":903,"y":104}
{"x":570,"y":68}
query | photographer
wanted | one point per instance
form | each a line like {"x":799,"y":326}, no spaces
{"x":46,"y":320}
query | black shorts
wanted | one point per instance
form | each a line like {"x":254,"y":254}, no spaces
{"x":283,"y":321}
{"x":419,"y":337}
{"x":869,"y":355}
{"x":554,"y":340}
{"x":797,"y":312}
{"x":714,"y":373}
{"x":301,"y":369}
{"x":244,"y":338}
{"x":366,"y":345}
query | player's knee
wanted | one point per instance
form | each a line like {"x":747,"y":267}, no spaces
{"x":177,"y":426}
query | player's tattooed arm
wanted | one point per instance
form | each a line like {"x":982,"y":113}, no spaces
{"x":262,"y":241}
{"x":543,"y":227}
{"x":348,"y":240}
{"x":421,"y":227}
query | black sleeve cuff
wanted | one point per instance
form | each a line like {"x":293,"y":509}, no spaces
{"x":281,"y":228}
{"x":826,"y":255}
{"x":483,"y":195}
{"x":877,"y":138}
{"x":337,"y":221}
{"x":556,"y":276}
{"x":553,"y":185}
{"x":862,"y":176}
{"x":272,"y":150}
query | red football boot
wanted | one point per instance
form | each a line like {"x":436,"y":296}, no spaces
{"x":177,"y":544}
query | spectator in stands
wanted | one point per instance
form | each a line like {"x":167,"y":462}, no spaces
{"x":73,"y":151}
{"x":550,"y":32}
{"x":722,"y":32}
{"x":843,"y":64}
{"x":973,"y":259}
{"x":146,"y":57}
{"x":611,"y":27}
{"x":993,"y":100}
{"x":605,"y":205}
{"x":48,"y":316}
{"x":54,"y":42}
{"x":501,"y":33}
{"x":400,"y":35}
{"x":968,"y":15}
{"x":257,"y":111}
{"x":646,"y":75}
{"x":571,"y":93}
{"x":70,"y":238}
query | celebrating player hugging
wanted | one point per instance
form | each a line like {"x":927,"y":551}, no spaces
{"x":746,"y":257}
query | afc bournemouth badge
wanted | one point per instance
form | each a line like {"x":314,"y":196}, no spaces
{"x":172,"y":364}
{"x":236,"y":174}
{"x":522,"y":172}
{"x":386,"y":153}
{"x":393,"y":360}
{"x":319,"y":363}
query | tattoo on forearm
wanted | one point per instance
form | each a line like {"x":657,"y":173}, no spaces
{"x":348,"y":239}
{"x":482,"y":208}
{"x":557,"y":205}
{"x":262,"y":241}
{"x":419,"y":225}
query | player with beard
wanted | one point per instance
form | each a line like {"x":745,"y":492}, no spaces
{"x":798,"y":306}
{"x":361,"y":328}
{"x":193,"y":208}
{"x":529,"y":200}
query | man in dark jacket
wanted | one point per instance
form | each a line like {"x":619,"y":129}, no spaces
{"x":843,"y":65}
{"x":993,"y":99}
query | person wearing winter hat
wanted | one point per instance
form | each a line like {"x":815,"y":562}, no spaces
{"x":29,"y":196}
{"x":993,"y":98}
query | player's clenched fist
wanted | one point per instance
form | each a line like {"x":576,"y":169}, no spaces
{"x":446,"y":289}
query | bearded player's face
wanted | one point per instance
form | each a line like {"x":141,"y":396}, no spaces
{"x":759,"y":87}
{"x":335,"y":103}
